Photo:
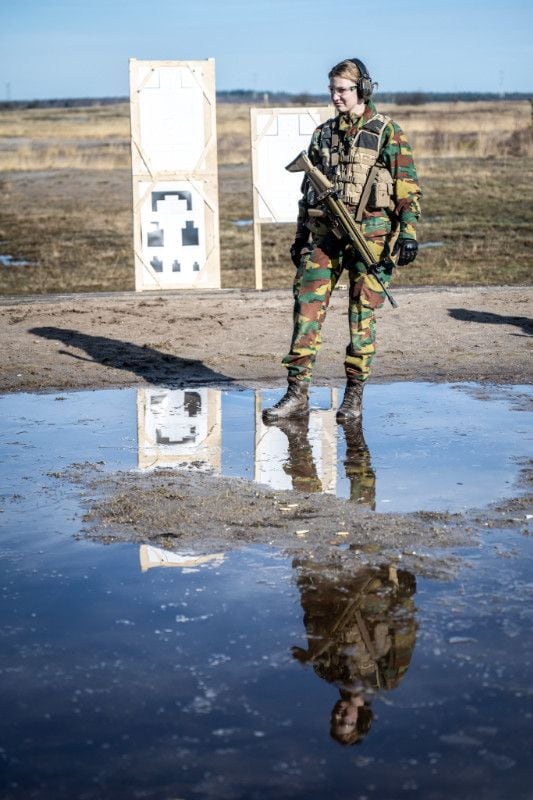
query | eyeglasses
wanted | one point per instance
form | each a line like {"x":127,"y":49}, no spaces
{"x":341,"y":92}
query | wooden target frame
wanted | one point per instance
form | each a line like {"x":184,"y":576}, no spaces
{"x":174,"y":174}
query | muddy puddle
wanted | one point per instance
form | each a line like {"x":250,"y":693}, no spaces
{"x":133,"y":670}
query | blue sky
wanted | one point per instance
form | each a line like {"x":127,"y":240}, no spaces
{"x":80,"y":48}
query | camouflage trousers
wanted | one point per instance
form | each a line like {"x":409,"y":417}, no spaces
{"x":318,"y":274}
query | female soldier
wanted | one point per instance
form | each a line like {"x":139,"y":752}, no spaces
{"x":367,"y":158}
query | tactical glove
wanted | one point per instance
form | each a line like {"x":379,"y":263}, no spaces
{"x":407,"y":249}
{"x":297,"y":247}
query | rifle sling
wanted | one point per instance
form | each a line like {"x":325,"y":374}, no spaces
{"x":365,"y":194}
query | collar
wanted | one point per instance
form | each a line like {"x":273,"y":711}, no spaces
{"x":350,"y":123}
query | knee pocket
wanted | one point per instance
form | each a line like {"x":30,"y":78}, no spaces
{"x":367,"y":292}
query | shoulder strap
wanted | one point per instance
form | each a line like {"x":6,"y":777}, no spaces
{"x":335,"y":142}
{"x":376,"y":125}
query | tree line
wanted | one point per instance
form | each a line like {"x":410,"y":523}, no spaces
{"x":252,"y":97}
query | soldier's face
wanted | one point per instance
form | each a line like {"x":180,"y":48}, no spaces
{"x":344,"y":96}
{"x":344,"y":721}
{"x":345,"y":714}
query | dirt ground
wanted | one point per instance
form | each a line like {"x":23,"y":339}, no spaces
{"x":215,"y":337}
{"x":236,"y":337}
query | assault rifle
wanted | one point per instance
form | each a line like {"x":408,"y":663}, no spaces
{"x":343,"y":223}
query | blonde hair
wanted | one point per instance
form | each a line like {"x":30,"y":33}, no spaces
{"x":354,"y":70}
{"x":345,"y":69}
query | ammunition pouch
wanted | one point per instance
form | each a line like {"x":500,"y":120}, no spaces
{"x":358,"y":179}
{"x":381,"y":190}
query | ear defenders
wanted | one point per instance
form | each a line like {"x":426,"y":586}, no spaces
{"x":365,"y":87}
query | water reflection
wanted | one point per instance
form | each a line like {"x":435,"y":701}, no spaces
{"x":300,"y":463}
{"x":385,"y":462}
{"x":183,"y":428}
{"x":150,"y":556}
{"x":179,"y":427}
{"x":181,"y":683}
{"x":358,"y":464}
{"x":361,"y":634}
{"x":360,"y":624}
{"x":298,"y":454}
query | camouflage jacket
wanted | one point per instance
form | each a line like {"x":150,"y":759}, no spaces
{"x":395,"y":155}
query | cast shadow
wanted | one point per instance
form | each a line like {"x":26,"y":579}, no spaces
{"x":465,"y":315}
{"x":151,"y":365}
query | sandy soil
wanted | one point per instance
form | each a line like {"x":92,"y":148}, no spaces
{"x":192,"y":512}
{"x":81,"y":341}
{"x":464,"y":334}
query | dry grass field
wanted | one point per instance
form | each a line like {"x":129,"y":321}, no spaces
{"x":65,"y":199}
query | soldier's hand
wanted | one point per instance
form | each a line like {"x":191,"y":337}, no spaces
{"x":407,"y":249}
{"x":296,"y":249}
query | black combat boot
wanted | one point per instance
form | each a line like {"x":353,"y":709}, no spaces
{"x":351,"y":406}
{"x":294,"y":403}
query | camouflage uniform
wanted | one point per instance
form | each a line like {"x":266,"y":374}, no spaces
{"x":325,"y":258}
{"x":361,"y":624}
{"x":301,"y":466}
{"x":358,"y":465}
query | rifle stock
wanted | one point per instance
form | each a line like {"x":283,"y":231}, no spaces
{"x":340,"y":216}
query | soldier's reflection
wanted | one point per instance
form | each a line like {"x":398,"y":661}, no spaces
{"x":301,"y":467}
{"x":361,"y":633}
{"x":358,"y":464}
{"x":300,"y":464}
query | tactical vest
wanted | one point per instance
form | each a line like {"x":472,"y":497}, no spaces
{"x":358,"y":179}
